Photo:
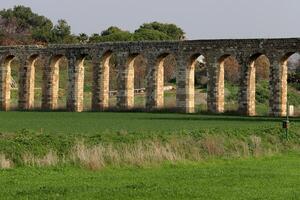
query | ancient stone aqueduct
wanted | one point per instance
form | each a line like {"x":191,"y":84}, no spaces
{"x":246,"y":51}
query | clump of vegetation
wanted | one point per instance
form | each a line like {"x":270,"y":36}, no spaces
{"x":262,"y":92}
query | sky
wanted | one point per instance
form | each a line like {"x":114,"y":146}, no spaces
{"x":200,"y":19}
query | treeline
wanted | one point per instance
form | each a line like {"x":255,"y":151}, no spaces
{"x":20,"y":25}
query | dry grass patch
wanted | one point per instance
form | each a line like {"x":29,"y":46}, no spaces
{"x":5,"y":163}
{"x":50,"y":159}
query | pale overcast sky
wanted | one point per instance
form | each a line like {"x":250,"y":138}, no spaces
{"x":200,"y":19}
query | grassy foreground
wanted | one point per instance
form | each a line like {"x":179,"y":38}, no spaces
{"x":60,"y":155}
{"x":267,"y":178}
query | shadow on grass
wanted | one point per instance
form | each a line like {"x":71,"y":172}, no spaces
{"x":178,"y":115}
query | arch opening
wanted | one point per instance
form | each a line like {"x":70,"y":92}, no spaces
{"x":290,"y":84}
{"x":76,"y":83}
{"x":27,"y":83}
{"x":196,"y":84}
{"x":58,"y":82}
{"x":10,"y":83}
{"x":227,"y":83}
{"x":134,"y":94}
{"x":85,"y":64}
{"x":258,"y":85}
{"x":37,"y":80}
{"x":165,"y":82}
{"x":140,"y":65}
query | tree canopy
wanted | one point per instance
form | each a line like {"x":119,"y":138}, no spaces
{"x":170,"y":30}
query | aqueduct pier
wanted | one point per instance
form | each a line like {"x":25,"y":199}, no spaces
{"x":245,"y":51}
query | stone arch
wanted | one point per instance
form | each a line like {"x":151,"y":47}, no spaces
{"x":75,"y":96}
{"x":140,"y":81}
{"x":27,"y":83}
{"x":159,"y":80}
{"x":101,"y":81}
{"x":220,"y":82}
{"x":129,"y":80}
{"x":155,"y":99}
{"x":251,"y":83}
{"x":190,"y":83}
{"x":51,"y":82}
{"x":5,"y":89}
{"x":283,"y":79}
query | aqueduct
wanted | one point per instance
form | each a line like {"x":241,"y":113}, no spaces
{"x":245,"y":51}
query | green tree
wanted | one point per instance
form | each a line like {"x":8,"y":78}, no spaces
{"x":83,"y":38}
{"x":120,"y":36}
{"x":112,"y":34}
{"x":61,"y":33}
{"x":173,"y":31}
{"x":111,"y":30}
{"x":148,"y":34}
{"x":23,"y":23}
{"x":94,"y":38}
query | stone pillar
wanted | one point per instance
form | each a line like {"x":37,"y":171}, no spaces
{"x":5,"y":82}
{"x":251,"y":90}
{"x":181,"y":90}
{"x":190,"y":88}
{"x":26,"y":83}
{"x":243,"y":90}
{"x":247,"y":100}
{"x":220,"y":87}
{"x":215,"y":86}
{"x":155,"y":83}
{"x":125,"y":96}
{"x":283,"y":88}
{"x":185,"y":84}
{"x":100,"y":98}
{"x":75,"y":84}
{"x":276,"y":86}
{"x":51,"y":84}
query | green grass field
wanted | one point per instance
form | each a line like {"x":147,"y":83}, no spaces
{"x":267,"y":178}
